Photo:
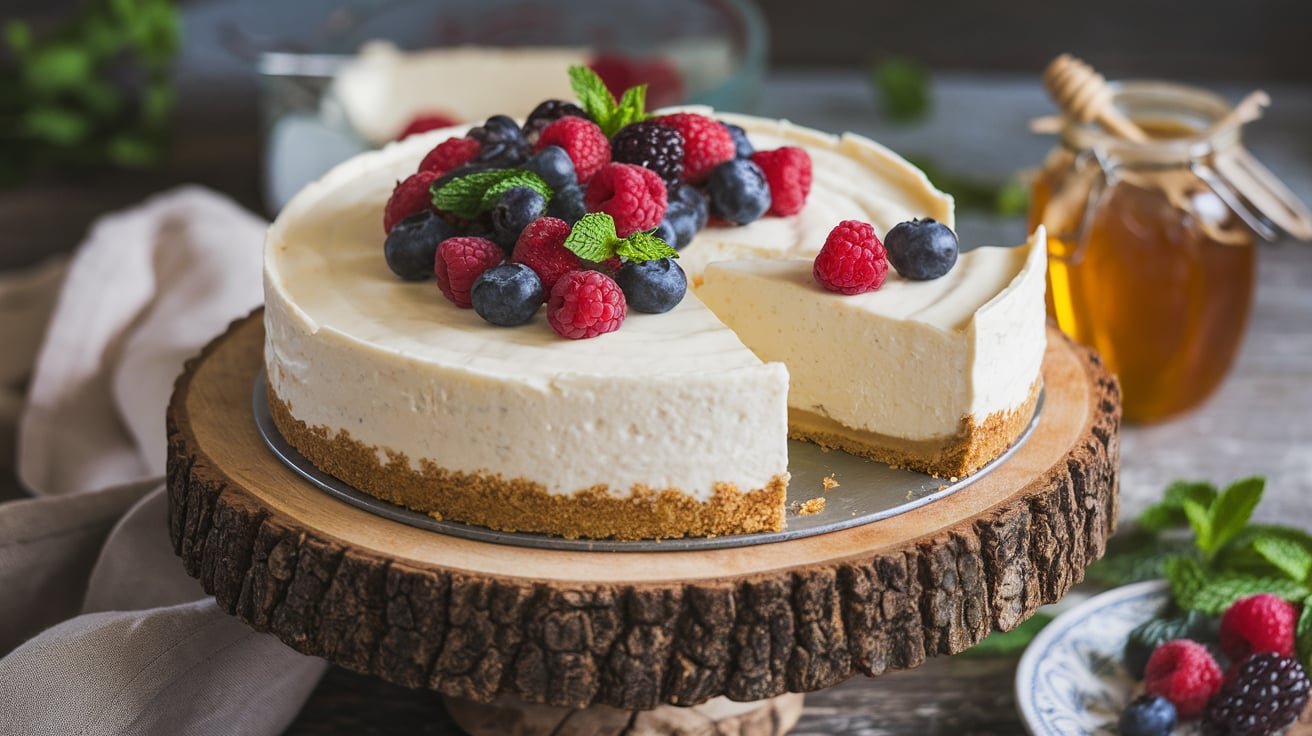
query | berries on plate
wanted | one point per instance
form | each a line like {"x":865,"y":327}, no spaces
{"x":554,"y":166}
{"x":1184,"y":672}
{"x":410,"y":195}
{"x":501,"y":142}
{"x":691,"y":197}
{"x":507,"y":295}
{"x":1258,"y":623}
{"x":852,"y":259}
{"x":742,"y":147}
{"x":650,"y":144}
{"x":706,"y":143}
{"x":424,"y":122}
{"x":541,"y":247}
{"x":788,"y":172}
{"x":546,"y":113}
{"x":567,"y":204}
{"x":583,"y":140}
{"x":1147,"y":636}
{"x":739,"y":192}
{"x":1265,"y":693}
{"x":460,"y":261}
{"x":922,"y":249}
{"x":1148,"y":715}
{"x":450,"y":154}
{"x":655,"y":286}
{"x":411,"y":247}
{"x":585,"y":304}
{"x":516,"y":208}
{"x":679,"y":226}
{"x":633,"y":195}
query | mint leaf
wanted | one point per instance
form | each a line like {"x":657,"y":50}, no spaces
{"x":632,"y":109}
{"x":1285,"y":555}
{"x":595,"y":99}
{"x":1267,"y":549}
{"x":1303,"y":633}
{"x":1006,"y":643}
{"x":1194,"y":588}
{"x":1186,"y":577}
{"x":593,"y":237}
{"x":640,"y":247}
{"x":1168,"y":513}
{"x":1200,"y":520}
{"x":523,"y":178}
{"x":468,"y":196}
{"x":1232,"y":510}
{"x":1138,"y":556}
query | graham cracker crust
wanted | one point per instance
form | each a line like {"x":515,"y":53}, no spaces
{"x":957,"y":456}
{"x":520,"y":505}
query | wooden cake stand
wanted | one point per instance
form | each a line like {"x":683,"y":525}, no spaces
{"x":633,"y":631}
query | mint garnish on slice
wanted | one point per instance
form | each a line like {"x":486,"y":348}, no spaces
{"x":600,"y":105}
{"x":473,"y":194}
{"x":593,"y":238}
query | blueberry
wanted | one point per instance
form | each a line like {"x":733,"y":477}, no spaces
{"x":921,"y":249}
{"x":738,"y":190}
{"x":652,"y":286}
{"x":567,"y":204}
{"x":503,"y":143}
{"x":1148,"y":715}
{"x":692,"y":197}
{"x":411,"y":247}
{"x":513,"y":212}
{"x":679,"y":226}
{"x":507,"y":295}
{"x":554,"y":166}
{"x":743,"y":148}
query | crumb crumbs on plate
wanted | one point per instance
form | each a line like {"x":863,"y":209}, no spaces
{"x":829,"y":483}
{"x":812,"y":506}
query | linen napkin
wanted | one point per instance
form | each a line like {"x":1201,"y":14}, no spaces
{"x":122,"y":640}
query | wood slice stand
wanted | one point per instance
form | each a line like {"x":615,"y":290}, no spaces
{"x":632,"y":631}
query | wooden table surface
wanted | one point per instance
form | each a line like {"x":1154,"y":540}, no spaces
{"x":1260,"y":422}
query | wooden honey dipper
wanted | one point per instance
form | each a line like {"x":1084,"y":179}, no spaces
{"x":1084,"y":95}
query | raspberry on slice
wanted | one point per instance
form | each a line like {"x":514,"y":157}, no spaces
{"x":582,"y":139}
{"x":633,"y":195}
{"x":449,"y":154}
{"x":409,"y":196}
{"x":1183,"y":672}
{"x":706,"y":143}
{"x":424,"y":122}
{"x":852,"y":260}
{"x":541,"y":247}
{"x":460,"y":261}
{"x":1258,"y":623}
{"x":585,"y":304}
{"x":788,"y":172}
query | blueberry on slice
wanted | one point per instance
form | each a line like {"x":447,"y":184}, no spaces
{"x":507,"y":295}
{"x":652,"y":286}
{"x":679,"y":225}
{"x":513,"y":212}
{"x":742,"y":147}
{"x":502,"y":142}
{"x":567,"y":204}
{"x":554,"y":166}
{"x":922,"y":249}
{"x":692,"y":198}
{"x":1148,"y":715}
{"x":738,"y":191}
{"x":411,"y":246}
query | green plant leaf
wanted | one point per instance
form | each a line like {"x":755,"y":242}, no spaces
{"x":1168,"y":513}
{"x":1303,"y":633}
{"x":1007,"y":643}
{"x":1138,"y":556}
{"x":595,"y":99}
{"x":632,"y":109}
{"x":1200,"y":521}
{"x":19,"y":37}
{"x":56,"y":68}
{"x":525,"y":178}
{"x":903,"y":86}
{"x":1232,"y":510}
{"x":1195,"y":588}
{"x":1287,"y":556}
{"x":593,"y":237}
{"x":473,"y":194}
{"x":641,"y":246}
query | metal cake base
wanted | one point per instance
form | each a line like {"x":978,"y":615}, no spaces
{"x":867,"y":491}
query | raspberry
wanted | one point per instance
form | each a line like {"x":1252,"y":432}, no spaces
{"x":541,"y":247}
{"x":652,"y":145}
{"x":460,"y":261}
{"x":633,"y":195}
{"x":1183,"y":672}
{"x":546,"y":113}
{"x":788,"y":172}
{"x":585,"y":304}
{"x":582,"y":140}
{"x":852,"y":259}
{"x":1258,"y":623}
{"x":449,"y":154}
{"x":1266,"y":693}
{"x":426,"y":121}
{"x":409,"y":197}
{"x":706,"y":143}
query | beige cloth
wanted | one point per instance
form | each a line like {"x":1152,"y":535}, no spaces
{"x":122,"y":641}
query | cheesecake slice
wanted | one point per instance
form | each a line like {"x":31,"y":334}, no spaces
{"x":937,"y":376}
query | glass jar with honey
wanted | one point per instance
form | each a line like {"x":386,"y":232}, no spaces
{"x":1151,"y":257}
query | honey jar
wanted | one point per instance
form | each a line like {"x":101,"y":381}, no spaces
{"x":1151,"y":249}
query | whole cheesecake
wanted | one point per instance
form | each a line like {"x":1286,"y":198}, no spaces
{"x":671,"y":426}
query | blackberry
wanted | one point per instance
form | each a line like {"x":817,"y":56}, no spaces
{"x":503,"y":144}
{"x":546,"y":113}
{"x":652,"y":145}
{"x":1266,"y":693}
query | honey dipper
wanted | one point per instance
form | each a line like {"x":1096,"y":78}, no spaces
{"x":1084,"y":95}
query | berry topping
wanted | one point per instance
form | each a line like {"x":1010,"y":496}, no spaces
{"x":411,"y":246}
{"x":424,"y":122}
{"x":788,"y":172}
{"x":852,"y":260}
{"x":706,"y":143}
{"x":460,"y":261}
{"x":507,"y":295}
{"x":408,"y":197}
{"x":450,"y":154}
{"x":650,"y":144}
{"x":633,"y":195}
{"x":541,"y":247}
{"x":513,"y":212}
{"x":679,"y":226}
{"x":585,"y":304}
{"x":582,"y":140}
{"x":1258,"y":623}
{"x":654,"y":286}
{"x":739,"y":192}
{"x":921,"y":249}
{"x":546,"y":113}
{"x":502,"y":142}
{"x":1183,"y":672}
{"x":567,"y":204}
{"x":554,"y":166}
{"x":1148,"y":715}
{"x":691,"y":197}
{"x":1147,"y":636}
{"x":742,"y":147}
{"x":1264,"y":694}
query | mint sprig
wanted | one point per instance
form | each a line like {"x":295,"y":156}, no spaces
{"x":600,"y":105}
{"x":473,"y":194}
{"x":593,"y":238}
